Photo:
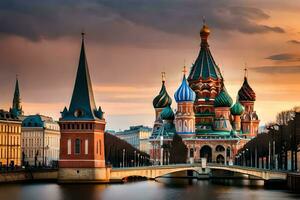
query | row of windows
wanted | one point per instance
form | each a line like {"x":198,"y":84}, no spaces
{"x":10,"y":129}
{"x":12,"y":153}
{"x":12,"y":140}
{"x":31,"y":153}
{"x":49,"y":141}
{"x":78,"y":146}
{"x":77,"y":126}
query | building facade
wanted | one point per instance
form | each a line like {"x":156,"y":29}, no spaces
{"x":211,"y":125}
{"x":40,"y":141}
{"x":137,"y":136}
{"x":10,"y":139}
{"x":82,"y":126}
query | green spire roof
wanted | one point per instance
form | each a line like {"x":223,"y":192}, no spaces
{"x":16,"y":105}
{"x":223,"y":99}
{"x":237,"y":108}
{"x":82,"y":104}
{"x":205,"y":66}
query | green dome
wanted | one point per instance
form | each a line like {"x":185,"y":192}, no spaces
{"x":237,"y":109}
{"x":163,"y":99}
{"x":223,"y":99}
{"x":167,"y":114}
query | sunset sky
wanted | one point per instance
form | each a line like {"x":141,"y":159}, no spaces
{"x":129,"y":43}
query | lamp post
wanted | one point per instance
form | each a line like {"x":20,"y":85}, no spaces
{"x":123,"y":158}
{"x":135,"y":158}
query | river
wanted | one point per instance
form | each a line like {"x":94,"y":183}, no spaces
{"x":163,"y":189}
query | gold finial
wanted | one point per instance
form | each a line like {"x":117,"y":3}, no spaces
{"x":246,"y":71}
{"x":163,"y":76}
{"x":82,"y":34}
{"x":184,"y":70}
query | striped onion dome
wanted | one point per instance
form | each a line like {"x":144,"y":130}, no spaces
{"x":163,"y":99}
{"x":223,"y":99}
{"x":184,"y":92}
{"x":246,"y":93}
{"x":237,"y":108}
{"x":167,"y":114}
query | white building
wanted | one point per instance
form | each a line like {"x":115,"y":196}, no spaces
{"x":137,"y":136}
{"x":40,"y":140}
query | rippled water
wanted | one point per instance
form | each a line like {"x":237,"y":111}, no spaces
{"x":166,"y":189}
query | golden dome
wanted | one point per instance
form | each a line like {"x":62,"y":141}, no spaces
{"x":205,"y":30}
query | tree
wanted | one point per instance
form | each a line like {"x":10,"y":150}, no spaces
{"x":284,"y":117}
{"x":178,"y":150}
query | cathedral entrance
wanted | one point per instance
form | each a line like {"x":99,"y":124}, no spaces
{"x":220,"y":159}
{"x":206,"y":152}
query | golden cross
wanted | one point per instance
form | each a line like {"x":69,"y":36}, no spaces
{"x":246,"y":70}
{"x":184,"y":70}
{"x":163,"y":76}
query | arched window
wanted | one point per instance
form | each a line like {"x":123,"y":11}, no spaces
{"x":69,"y":146}
{"x":220,"y":148}
{"x":97,"y":149}
{"x":77,"y":146}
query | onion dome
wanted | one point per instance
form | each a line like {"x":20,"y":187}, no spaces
{"x":223,"y":99}
{"x":237,"y":108}
{"x":163,"y":99}
{"x":167,"y":113}
{"x":184,"y":92}
{"x":246,"y":93}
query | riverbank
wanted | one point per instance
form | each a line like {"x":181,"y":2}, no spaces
{"x":40,"y":175}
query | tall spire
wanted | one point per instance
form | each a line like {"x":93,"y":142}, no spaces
{"x":82,"y":103}
{"x":16,"y":105}
{"x":205,"y":66}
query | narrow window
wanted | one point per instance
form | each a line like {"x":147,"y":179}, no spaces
{"x":69,"y":146}
{"x":100,"y":146}
{"x":97,"y":147}
{"x":77,"y":146}
{"x":86,"y":146}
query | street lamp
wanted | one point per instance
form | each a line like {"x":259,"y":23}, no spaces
{"x":123,"y":158}
{"x":135,"y":158}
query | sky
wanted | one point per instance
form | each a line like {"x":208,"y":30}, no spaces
{"x":130,"y":42}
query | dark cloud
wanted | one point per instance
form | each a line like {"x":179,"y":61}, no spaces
{"x":116,"y":20}
{"x":284,"y":57}
{"x":294,"y":41}
{"x":277,"y":69}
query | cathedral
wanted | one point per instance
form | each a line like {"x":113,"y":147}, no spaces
{"x":211,"y":124}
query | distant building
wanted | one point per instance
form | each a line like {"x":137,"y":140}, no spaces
{"x":10,"y":139}
{"x":137,"y":136}
{"x":40,"y":140}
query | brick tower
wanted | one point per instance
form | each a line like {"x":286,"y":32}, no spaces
{"x":82,"y":132}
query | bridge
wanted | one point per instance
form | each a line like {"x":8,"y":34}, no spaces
{"x":153,"y":172}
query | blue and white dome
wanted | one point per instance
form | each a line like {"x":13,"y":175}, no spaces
{"x":184,"y":92}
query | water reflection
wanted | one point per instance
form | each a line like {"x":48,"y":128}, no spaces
{"x":162,"y":189}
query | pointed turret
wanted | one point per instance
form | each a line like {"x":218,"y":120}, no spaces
{"x":16,"y":105}
{"x":83,"y":103}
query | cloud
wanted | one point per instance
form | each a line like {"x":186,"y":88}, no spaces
{"x":125,"y":20}
{"x":284,"y":57}
{"x":277,"y":69}
{"x":294,"y":42}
